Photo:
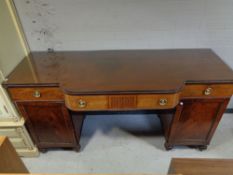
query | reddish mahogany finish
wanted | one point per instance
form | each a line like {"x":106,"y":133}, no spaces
{"x":49,"y":124}
{"x":193,"y":122}
{"x":125,"y":71}
{"x":45,"y":85}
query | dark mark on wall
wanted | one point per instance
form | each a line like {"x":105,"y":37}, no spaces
{"x":45,"y":28}
{"x":44,"y":4}
{"x":49,"y":13}
{"x":50,"y":50}
{"x":46,"y":32}
{"x":27,"y":2}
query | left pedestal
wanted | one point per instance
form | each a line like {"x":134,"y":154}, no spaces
{"x":49,"y":124}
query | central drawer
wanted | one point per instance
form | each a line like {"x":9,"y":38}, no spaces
{"x":121,"y":102}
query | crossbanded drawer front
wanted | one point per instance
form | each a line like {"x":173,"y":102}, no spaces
{"x":208,"y":90}
{"x":121,"y":102}
{"x":36,"y":94}
{"x":158,"y":101}
{"x":86,"y":103}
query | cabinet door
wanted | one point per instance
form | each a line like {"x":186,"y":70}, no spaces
{"x":49,"y":123}
{"x":196,"y":120}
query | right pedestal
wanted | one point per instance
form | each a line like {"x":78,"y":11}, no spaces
{"x":193,"y":122}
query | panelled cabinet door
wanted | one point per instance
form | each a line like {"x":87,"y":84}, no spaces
{"x":196,"y":121}
{"x":49,"y":123}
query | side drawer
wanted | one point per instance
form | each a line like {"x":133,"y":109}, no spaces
{"x":36,"y":94}
{"x":213,"y":90}
{"x":9,"y":132}
{"x":18,"y":142}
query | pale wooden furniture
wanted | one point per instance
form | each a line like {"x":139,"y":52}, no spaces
{"x":188,"y":166}
{"x":9,"y":160}
{"x":19,"y":137}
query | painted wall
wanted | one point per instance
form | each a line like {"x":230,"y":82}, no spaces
{"x":129,"y":24}
{"x":12,"y":51}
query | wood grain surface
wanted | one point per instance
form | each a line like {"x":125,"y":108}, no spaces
{"x":194,"y":122}
{"x":195,"y":85}
{"x":28,"y":94}
{"x":49,"y":124}
{"x":125,"y":71}
{"x":190,"y":166}
{"x":9,"y":159}
{"x":217,"y":91}
{"x":121,"y":102}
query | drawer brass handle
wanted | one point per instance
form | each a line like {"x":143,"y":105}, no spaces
{"x":36,"y":94}
{"x":208,"y":91}
{"x":82,"y":104}
{"x":163,"y":101}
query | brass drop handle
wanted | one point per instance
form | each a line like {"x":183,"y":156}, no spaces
{"x":37,"y":94}
{"x":82,"y":104}
{"x":208,"y":91}
{"x":163,"y":101}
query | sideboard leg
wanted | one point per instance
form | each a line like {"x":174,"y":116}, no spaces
{"x":168,"y":146}
{"x":43,"y":150}
{"x":78,"y":119}
{"x":77,"y":148}
{"x":202,"y":147}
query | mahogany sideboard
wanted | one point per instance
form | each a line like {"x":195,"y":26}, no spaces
{"x":190,"y":89}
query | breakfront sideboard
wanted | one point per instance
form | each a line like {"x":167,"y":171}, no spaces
{"x":188,"y":88}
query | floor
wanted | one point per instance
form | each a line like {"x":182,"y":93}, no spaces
{"x":127,"y":144}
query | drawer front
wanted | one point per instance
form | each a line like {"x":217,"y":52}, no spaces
{"x":36,"y":94}
{"x":9,"y":132}
{"x":217,"y":90}
{"x":86,"y":103}
{"x":18,"y":142}
{"x":121,"y":102}
{"x":158,"y":101}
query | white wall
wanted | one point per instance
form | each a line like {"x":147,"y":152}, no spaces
{"x":129,"y":24}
